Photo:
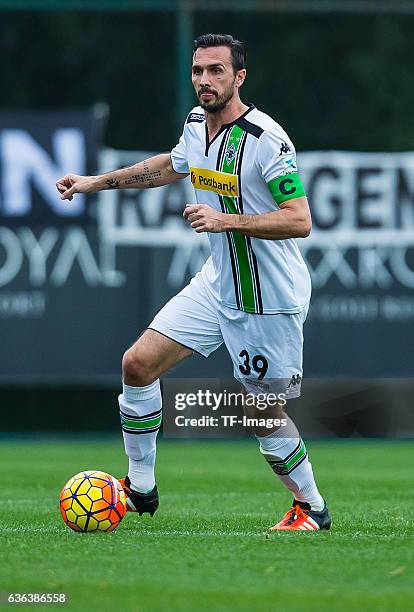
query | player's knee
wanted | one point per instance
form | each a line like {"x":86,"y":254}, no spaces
{"x":136,"y":370}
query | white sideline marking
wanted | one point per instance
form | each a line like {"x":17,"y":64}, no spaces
{"x":137,"y":532}
{"x":342,"y":536}
{"x":199,"y":533}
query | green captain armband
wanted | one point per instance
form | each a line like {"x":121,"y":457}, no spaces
{"x":286,"y":187}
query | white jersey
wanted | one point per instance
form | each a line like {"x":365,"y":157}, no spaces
{"x":249,"y":167}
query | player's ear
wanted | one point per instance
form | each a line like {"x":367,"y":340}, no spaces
{"x":240,"y":76}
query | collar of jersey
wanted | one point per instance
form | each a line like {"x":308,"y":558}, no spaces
{"x":224,"y":127}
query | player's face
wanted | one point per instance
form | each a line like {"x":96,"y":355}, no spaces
{"x":213,"y":77}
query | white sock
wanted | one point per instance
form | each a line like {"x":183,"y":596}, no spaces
{"x":141,"y":473}
{"x":285,"y":452}
{"x":141,"y":414}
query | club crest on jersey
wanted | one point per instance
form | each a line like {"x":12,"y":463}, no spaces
{"x":230,"y":154}
{"x":222,"y":183}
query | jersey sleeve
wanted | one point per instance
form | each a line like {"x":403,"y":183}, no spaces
{"x":179,"y":156}
{"x":276,"y":159}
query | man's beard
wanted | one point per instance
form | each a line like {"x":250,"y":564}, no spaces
{"x":219,"y":103}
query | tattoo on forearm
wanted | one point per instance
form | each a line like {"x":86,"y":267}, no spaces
{"x":112,"y":183}
{"x":145,"y":178}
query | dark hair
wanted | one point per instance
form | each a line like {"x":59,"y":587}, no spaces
{"x":238,"y":52}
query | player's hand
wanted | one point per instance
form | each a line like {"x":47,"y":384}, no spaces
{"x":203,"y":218}
{"x":73,"y":183}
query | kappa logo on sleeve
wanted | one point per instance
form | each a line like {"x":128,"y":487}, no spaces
{"x":285,"y":148}
{"x":211,"y":180}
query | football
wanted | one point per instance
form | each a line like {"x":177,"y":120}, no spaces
{"x":92,"y":501}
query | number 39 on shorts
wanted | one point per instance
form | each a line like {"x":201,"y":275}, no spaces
{"x":257,"y":363}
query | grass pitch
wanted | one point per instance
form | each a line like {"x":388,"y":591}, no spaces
{"x":206,"y":548}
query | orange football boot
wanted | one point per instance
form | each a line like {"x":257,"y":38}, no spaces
{"x":300,"y":517}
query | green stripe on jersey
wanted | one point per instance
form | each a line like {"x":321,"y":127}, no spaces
{"x":245,"y":271}
{"x":230,"y":153}
{"x":286,"y":187}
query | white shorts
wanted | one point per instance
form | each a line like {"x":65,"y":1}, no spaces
{"x":266,"y":350}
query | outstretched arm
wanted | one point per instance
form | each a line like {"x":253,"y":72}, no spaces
{"x":152,"y":172}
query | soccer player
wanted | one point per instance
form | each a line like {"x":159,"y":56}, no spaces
{"x":252,"y":293}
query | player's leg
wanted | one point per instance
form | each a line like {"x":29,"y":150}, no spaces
{"x":285,"y":451}
{"x":150,"y":356}
{"x":140,"y":407}
{"x":268,"y":348}
{"x":185,"y":324}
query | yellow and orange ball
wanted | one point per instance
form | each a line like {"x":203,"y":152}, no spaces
{"x":92,"y":501}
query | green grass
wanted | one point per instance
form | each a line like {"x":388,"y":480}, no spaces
{"x":207,"y":548}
